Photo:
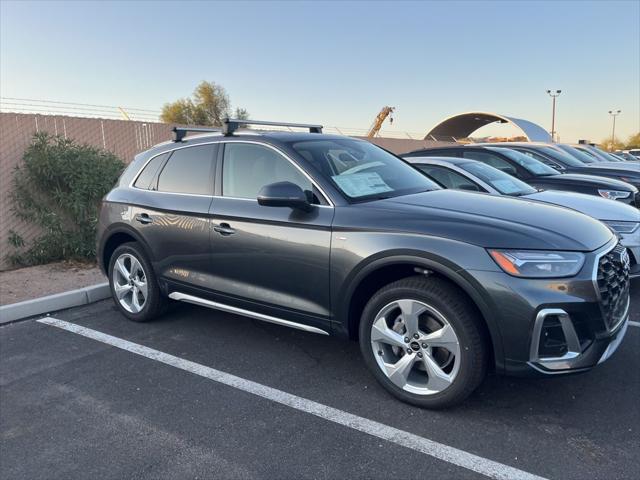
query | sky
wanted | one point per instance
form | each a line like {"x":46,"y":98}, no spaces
{"x":337,"y":63}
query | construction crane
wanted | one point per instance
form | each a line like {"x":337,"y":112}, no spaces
{"x":124,"y":114}
{"x":377,"y":123}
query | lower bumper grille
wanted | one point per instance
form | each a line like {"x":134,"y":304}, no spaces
{"x":613,"y":285}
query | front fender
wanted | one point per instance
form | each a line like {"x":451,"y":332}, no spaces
{"x":450,"y":259}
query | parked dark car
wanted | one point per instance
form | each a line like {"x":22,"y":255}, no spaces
{"x":536,"y":173}
{"x":461,"y":173}
{"x":334,"y":235}
{"x":626,"y":171}
{"x":626,"y":156}
{"x":599,"y":154}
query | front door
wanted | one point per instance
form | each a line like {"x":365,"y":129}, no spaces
{"x":269,"y":259}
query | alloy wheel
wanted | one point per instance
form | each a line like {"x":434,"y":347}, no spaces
{"x":415,"y":347}
{"x":129,"y":283}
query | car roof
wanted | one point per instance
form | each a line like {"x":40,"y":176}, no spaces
{"x":248,"y":134}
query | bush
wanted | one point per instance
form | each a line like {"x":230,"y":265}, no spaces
{"x":59,"y":187}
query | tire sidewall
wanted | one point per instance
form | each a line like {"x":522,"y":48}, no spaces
{"x":459,"y":385}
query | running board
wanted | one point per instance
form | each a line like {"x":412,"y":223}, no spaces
{"x":183,"y":297}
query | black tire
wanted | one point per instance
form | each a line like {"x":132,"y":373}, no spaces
{"x":461,"y":315}
{"x":155,"y":303}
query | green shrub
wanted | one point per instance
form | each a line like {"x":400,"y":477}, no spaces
{"x":59,"y":187}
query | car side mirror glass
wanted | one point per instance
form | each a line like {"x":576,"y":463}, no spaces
{"x":284,"y":194}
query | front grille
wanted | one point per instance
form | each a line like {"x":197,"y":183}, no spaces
{"x":613,"y":285}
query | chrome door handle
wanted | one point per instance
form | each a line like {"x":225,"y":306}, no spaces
{"x":224,"y":229}
{"x":144,"y":218}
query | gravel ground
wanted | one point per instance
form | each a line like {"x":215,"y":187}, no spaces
{"x":33,"y":282}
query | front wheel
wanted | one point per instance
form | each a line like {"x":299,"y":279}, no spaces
{"x":423,"y":341}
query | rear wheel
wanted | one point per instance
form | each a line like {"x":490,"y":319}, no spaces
{"x":134,"y":287}
{"x":423,"y":342}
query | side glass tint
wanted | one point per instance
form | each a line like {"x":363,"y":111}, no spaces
{"x":188,"y":170}
{"x":493,"y":160}
{"x":248,"y":167}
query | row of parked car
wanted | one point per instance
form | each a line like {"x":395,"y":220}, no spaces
{"x":445,"y":265}
{"x":543,"y":172}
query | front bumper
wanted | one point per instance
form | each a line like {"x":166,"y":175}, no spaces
{"x":552,"y":326}
{"x":578,"y":357}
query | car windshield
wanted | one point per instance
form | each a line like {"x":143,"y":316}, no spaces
{"x":501,"y":181}
{"x":361,"y":170}
{"x":559,"y":155}
{"x":529,"y":164}
{"x":574,"y":152}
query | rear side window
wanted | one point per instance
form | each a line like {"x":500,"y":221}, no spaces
{"x":493,"y":160}
{"x":149,"y":171}
{"x":188,"y":170}
{"x":449,"y":178}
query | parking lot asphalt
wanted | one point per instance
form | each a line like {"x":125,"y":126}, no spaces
{"x":75,"y":407}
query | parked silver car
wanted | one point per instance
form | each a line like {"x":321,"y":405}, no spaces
{"x":466,"y":174}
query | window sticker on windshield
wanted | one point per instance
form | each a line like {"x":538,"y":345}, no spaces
{"x":505,"y":186}
{"x":361,"y":184}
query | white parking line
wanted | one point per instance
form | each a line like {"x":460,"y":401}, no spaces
{"x":634,"y":324}
{"x":400,"y":437}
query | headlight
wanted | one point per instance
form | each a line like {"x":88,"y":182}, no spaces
{"x":614,"y":194}
{"x":623,"y":227}
{"x":538,"y":264}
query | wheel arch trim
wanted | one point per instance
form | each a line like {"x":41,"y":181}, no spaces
{"x":110,"y":232}
{"x":438,"y":265}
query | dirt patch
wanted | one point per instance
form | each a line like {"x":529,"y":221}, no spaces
{"x":33,"y":282}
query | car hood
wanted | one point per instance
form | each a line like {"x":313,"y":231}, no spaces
{"x":593,"y":180}
{"x":595,"y":207}
{"x":489,"y":221}
{"x":634,"y":165}
{"x":617,"y":168}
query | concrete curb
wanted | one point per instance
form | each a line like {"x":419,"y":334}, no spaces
{"x":51,"y":303}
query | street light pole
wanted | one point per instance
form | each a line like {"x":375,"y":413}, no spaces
{"x":614,"y":114}
{"x":553,"y":95}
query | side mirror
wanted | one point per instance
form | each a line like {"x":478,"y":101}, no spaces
{"x":284,"y":194}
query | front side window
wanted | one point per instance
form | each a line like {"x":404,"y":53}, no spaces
{"x":188,"y":170}
{"x":248,"y":167}
{"x":361,"y":170}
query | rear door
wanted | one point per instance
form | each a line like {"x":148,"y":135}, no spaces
{"x":174,"y":220}
{"x":269,"y":259}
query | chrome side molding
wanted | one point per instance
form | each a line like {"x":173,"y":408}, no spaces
{"x":183,"y":297}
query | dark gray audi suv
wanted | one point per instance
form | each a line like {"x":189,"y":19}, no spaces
{"x":334,"y":235}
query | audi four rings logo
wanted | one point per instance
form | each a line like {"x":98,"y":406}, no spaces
{"x":624,"y":258}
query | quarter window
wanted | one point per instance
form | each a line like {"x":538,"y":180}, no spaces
{"x":248,"y":167}
{"x":149,"y":172}
{"x":188,"y":171}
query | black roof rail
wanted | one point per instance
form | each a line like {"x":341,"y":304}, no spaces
{"x":230,"y":125}
{"x":180,"y":132}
